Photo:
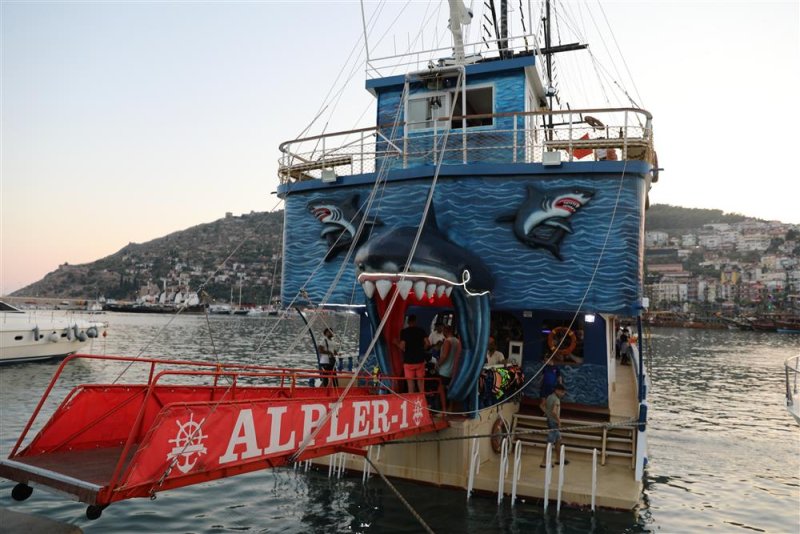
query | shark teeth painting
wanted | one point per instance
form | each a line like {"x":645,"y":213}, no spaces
{"x":441,"y":274}
{"x":341,"y":220}
{"x":542,"y":220}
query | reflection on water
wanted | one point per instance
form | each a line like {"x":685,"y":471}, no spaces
{"x":723,"y":450}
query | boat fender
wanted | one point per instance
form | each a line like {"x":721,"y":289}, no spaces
{"x":82,"y":336}
{"x":92,"y":332}
{"x":36,"y":333}
{"x":105,"y":333}
{"x":569,"y":343}
{"x":499,"y":432}
{"x":53,"y":337}
{"x":70,"y":333}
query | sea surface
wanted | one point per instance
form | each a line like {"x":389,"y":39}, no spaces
{"x":724,"y":453}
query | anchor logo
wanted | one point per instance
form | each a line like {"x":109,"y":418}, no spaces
{"x":417,"y":416}
{"x":188,"y":444}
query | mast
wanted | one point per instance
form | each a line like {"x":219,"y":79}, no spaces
{"x":503,"y":42}
{"x":459,"y":16}
{"x":548,"y":52}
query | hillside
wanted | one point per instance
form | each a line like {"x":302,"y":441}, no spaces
{"x":665,"y":217}
{"x":185,"y":259}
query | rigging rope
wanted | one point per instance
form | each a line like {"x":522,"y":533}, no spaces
{"x":395,"y":295}
{"x":200,"y":290}
{"x":399,"y":496}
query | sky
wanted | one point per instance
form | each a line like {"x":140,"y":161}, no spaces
{"x":126,"y":121}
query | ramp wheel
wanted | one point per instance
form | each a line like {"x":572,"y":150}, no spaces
{"x":21,"y":492}
{"x":94,"y":511}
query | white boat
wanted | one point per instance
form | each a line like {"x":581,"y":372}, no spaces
{"x":30,"y":336}
{"x":792,"y":369}
{"x":220,"y":309}
{"x":483,"y":195}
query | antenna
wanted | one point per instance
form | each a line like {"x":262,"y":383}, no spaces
{"x":459,"y":16}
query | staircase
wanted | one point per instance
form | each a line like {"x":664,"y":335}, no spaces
{"x":618,"y":442}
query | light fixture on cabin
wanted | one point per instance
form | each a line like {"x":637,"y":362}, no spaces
{"x":589,"y":318}
{"x":551,"y":158}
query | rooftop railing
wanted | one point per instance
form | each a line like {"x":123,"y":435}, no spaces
{"x":517,"y":137}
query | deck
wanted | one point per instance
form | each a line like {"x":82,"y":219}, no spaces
{"x":446,"y":463}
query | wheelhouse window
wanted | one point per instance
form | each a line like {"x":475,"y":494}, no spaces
{"x":425,"y":108}
{"x":480,"y":101}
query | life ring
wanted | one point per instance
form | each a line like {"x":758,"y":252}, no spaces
{"x":555,"y":336}
{"x":499,"y":432}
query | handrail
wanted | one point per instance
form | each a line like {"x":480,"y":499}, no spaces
{"x":512,"y":137}
{"x":644,"y":112}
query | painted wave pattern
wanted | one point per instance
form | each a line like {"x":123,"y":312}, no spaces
{"x":587,"y":383}
{"x":466,"y":210}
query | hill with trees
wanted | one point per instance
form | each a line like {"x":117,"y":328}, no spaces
{"x":666,"y":217}
{"x":219,"y":256}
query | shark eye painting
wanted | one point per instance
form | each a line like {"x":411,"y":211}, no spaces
{"x":542,"y":220}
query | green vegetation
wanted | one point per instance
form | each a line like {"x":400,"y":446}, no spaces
{"x":665,"y":217}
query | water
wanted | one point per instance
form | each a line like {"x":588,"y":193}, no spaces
{"x":724,"y":453}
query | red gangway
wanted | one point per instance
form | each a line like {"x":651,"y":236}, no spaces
{"x":191,"y":422}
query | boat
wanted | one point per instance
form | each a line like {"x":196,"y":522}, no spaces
{"x":478,"y":197}
{"x":150,"y":307}
{"x":550,"y":264}
{"x":792,"y":374}
{"x":220,"y":309}
{"x":37,"y":336}
{"x":788,"y":325}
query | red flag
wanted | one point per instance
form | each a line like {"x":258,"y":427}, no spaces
{"x":582,"y":152}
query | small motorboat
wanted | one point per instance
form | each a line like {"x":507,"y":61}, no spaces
{"x":30,"y":336}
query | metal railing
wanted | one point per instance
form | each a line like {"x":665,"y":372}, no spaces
{"x":516,"y":137}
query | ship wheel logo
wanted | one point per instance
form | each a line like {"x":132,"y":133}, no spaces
{"x":417,"y":415}
{"x":188,"y":444}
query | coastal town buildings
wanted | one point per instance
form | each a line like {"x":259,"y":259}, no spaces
{"x":749,"y":266}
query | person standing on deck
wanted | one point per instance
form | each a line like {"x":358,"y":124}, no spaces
{"x":494,"y":356}
{"x":413,"y":342}
{"x":436,"y":339}
{"x":449,"y":355}
{"x":552,"y":410}
{"x":328,"y":351}
{"x":551,"y":377}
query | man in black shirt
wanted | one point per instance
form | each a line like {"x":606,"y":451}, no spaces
{"x":413,"y":342}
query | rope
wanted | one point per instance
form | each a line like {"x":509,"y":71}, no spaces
{"x":399,"y":496}
{"x":395,"y":295}
{"x":380,"y":179}
{"x":200,"y":290}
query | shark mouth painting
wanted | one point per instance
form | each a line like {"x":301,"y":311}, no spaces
{"x":341,"y":221}
{"x":442,"y":274}
{"x":542,"y":220}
